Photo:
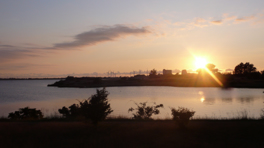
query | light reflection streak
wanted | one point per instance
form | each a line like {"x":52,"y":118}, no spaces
{"x":213,"y":76}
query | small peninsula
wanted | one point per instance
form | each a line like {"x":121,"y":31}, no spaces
{"x":188,"y":80}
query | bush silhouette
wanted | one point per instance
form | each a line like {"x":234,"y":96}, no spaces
{"x":26,"y":114}
{"x":72,"y":112}
{"x":262,"y":114}
{"x":144,"y":112}
{"x":95,"y":108}
{"x":182,"y":116}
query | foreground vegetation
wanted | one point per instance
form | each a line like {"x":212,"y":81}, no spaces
{"x":79,"y":126}
{"x":241,"y":131}
{"x":133,"y":133}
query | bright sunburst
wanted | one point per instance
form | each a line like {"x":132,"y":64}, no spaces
{"x":200,"y":62}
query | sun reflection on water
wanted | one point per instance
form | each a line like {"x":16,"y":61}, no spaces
{"x":202,"y":99}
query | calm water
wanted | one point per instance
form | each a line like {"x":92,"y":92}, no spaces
{"x":207,"y":102}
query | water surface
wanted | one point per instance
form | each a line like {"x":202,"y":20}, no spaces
{"x":207,"y":102}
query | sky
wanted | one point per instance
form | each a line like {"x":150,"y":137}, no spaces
{"x":48,"y":38}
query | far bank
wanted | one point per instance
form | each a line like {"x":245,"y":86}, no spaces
{"x":190,"y":80}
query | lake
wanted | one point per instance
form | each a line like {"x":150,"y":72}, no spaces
{"x":207,"y":102}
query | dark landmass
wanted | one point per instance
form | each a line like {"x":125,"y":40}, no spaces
{"x":163,"y":133}
{"x":30,"y":78}
{"x":188,"y":80}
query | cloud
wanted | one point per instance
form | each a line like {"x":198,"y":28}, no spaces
{"x":22,"y":66}
{"x":244,"y":19}
{"x":10,"y":53}
{"x":237,"y":19}
{"x":218,"y":22}
{"x":103,"y":34}
{"x":200,"y":22}
{"x":225,"y":19}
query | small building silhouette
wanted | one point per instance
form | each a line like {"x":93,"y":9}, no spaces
{"x":184,"y":72}
{"x":167,"y":72}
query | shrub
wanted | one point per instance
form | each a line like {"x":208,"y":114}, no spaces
{"x":26,"y":113}
{"x":72,"y":112}
{"x":95,"y":108}
{"x":182,"y":116}
{"x":262,"y":114}
{"x":145,"y":112}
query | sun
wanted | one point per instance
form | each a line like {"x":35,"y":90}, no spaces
{"x":200,"y":62}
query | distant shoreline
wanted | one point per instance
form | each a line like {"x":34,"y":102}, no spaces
{"x":90,"y":82}
{"x":31,"y":78}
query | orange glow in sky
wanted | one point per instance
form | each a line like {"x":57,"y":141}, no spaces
{"x":36,"y":44}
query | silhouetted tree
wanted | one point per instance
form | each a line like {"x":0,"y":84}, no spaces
{"x":15,"y":115}
{"x":96,"y":107}
{"x":72,"y":112}
{"x":262,"y":74}
{"x":64,"y":111}
{"x":144,"y":111}
{"x":243,"y":69}
{"x":182,"y":116}
{"x":26,"y":113}
{"x":153,"y":72}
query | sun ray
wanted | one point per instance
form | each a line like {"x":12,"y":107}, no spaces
{"x":200,"y":63}
{"x":214,"y":77}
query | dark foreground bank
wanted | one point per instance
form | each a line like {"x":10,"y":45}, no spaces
{"x":248,"y":133}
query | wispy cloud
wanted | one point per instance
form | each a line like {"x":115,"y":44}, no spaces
{"x":244,"y":19}
{"x":10,"y":53}
{"x":22,"y":66}
{"x":224,"y":19}
{"x":218,"y":22}
{"x":200,"y":22}
{"x":102,"y":34}
{"x":227,"y":17}
{"x":95,"y":36}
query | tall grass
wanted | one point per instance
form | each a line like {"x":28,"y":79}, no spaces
{"x":239,"y":115}
{"x":262,"y":114}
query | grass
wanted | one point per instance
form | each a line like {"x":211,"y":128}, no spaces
{"x":242,"y":115}
{"x":116,"y":133}
{"x":121,"y":131}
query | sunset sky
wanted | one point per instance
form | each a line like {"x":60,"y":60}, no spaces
{"x":54,"y":38}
